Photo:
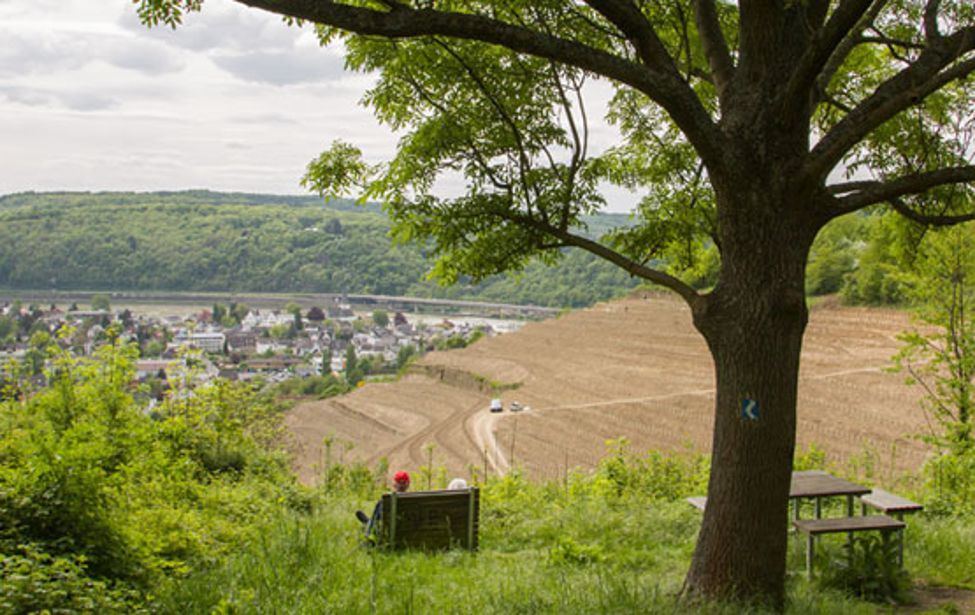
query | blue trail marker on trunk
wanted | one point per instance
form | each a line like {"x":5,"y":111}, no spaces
{"x":749,"y":409}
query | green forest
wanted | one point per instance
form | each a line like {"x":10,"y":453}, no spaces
{"x":206,"y":241}
{"x":232,"y":242}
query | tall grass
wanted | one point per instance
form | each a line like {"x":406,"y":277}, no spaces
{"x":560,"y":559}
{"x":941,"y":550}
{"x":575,"y":547}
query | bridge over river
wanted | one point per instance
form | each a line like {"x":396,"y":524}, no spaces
{"x":262,"y":300}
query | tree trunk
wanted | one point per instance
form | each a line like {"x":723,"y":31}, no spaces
{"x":753,"y":322}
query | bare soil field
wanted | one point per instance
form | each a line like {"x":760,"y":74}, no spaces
{"x":634,"y":368}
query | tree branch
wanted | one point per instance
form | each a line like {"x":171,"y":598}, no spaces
{"x":475,"y":153}
{"x":523,"y":158}
{"x":638,"y":30}
{"x":579,"y":144}
{"x":900,"y":207}
{"x":908,"y":87}
{"x":861,"y":194}
{"x":601,"y":28}
{"x":889,"y":42}
{"x":931,"y":30}
{"x":659,"y":80}
{"x":593,"y":247}
{"x":843,"y":50}
{"x":714,"y":44}
{"x":825,"y":42}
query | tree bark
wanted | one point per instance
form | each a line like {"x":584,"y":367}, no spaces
{"x":753,"y":323}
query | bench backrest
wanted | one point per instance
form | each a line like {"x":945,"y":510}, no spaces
{"x":431,"y":520}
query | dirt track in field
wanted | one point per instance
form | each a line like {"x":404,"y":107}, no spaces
{"x":635,"y":368}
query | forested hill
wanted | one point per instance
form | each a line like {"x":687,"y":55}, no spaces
{"x":207,"y":241}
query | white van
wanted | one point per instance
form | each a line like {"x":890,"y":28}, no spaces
{"x":496,"y":405}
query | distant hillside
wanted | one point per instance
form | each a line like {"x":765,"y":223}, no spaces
{"x":207,"y":241}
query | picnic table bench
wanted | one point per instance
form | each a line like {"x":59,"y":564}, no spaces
{"x":430,"y":520}
{"x":888,"y":503}
{"x":814,"y":527}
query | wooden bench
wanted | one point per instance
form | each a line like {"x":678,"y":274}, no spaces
{"x":893,"y":505}
{"x":697,"y":501}
{"x":888,"y":503}
{"x":430,"y":520}
{"x":814,"y":527}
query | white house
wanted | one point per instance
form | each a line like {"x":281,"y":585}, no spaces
{"x":208,"y":341}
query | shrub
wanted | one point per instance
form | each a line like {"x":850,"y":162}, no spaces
{"x":568,"y":551}
{"x":868,"y":569}
{"x":109,"y":501}
{"x":33,"y":581}
{"x":656,"y":475}
{"x":950,"y":484}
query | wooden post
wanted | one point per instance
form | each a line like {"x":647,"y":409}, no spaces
{"x":849,"y":535}
{"x":392,"y":519}
{"x":900,"y":541}
{"x":485,"y":464}
{"x":470,"y":521}
{"x":810,"y":552}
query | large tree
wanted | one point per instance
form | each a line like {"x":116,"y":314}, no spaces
{"x":748,"y":124}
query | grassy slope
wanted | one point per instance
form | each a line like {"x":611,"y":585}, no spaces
{"x":577,"y":547}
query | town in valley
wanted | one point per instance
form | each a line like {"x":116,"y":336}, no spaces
{"x":268,"y":344}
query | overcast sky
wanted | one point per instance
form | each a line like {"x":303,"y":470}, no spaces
{"x":233,"y":100}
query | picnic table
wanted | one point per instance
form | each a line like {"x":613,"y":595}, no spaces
{"x":810,"y":484}
{"x":818,"y":484}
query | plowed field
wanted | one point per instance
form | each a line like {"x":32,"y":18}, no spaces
{"x":633,"y":367}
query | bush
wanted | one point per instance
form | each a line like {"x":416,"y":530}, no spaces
{"x":313,"y":386}
{"x":33,"y":581}
{"x":99,"y":503}
{"x":868,"y":569}
{"x":950,"y":484}
{"x":655,"y":476}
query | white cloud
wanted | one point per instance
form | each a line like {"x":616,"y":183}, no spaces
{"x":282,"y":68}
{"x":26,"y":96}
{"x":221,"y":26}
{"x":233,"y":99}
{"x":22,"y":54}
{"x":32,"y":52}
{"x":144,"y":57}
{"x":74,"y":100}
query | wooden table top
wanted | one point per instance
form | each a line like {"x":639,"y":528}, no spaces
{"x":816,"y":483}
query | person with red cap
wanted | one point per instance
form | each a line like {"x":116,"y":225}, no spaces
{"x":401,"y":482}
